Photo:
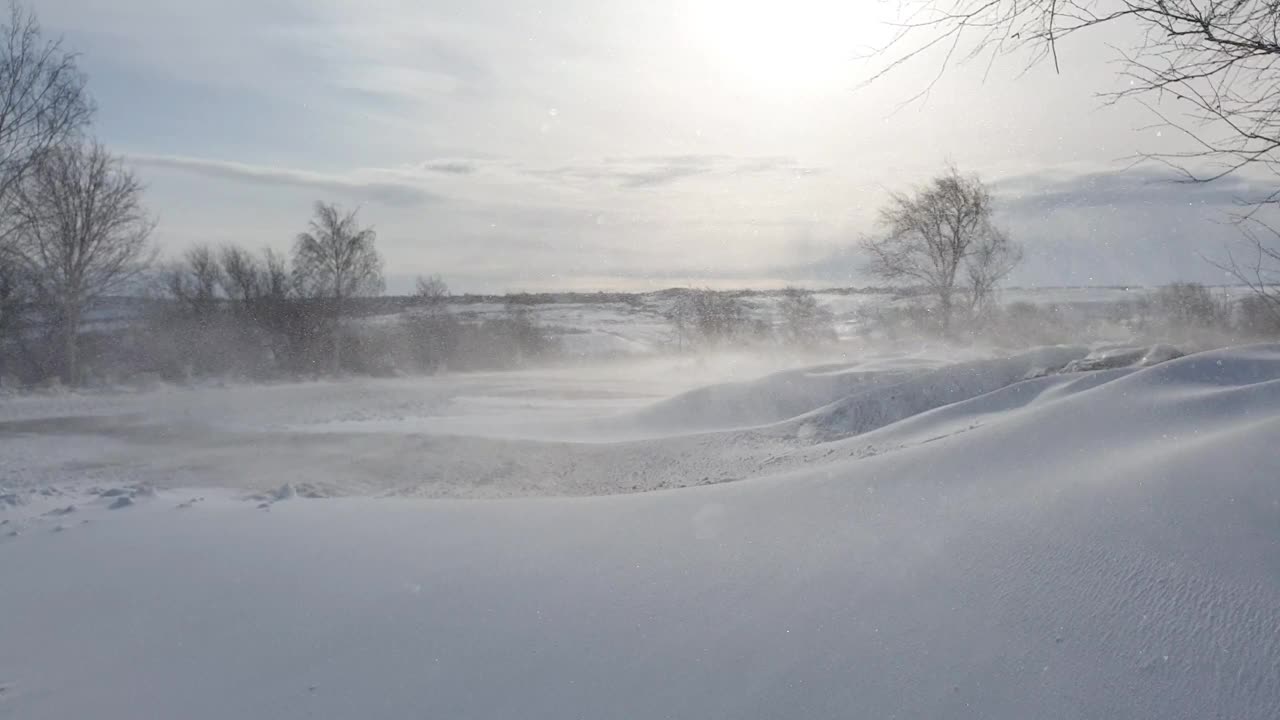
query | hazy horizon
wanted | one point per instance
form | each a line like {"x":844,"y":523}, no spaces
{"x":580,"y":144}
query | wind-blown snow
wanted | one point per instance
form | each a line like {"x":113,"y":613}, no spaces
{"x":1046,"y":544}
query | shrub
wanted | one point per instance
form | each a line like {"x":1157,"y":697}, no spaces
{"x":1188,"y":306}
{"x":1259,"y":316}
{"x":803,"y":321}
{"x":702,"y":318}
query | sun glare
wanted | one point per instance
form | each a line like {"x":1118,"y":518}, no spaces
{"x":783,"y":49}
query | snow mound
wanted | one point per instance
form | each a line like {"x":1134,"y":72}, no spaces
{"x":1088,"y":545}
{"x":1103,"y":547}
{"x":888,"y":402}
{"x":785,"y":395}
{"x":758,"y":402}
{"x":1120,"y":357}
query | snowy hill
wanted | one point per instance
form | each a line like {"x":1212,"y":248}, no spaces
{"x":1000,"y":538}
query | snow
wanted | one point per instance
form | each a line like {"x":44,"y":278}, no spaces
{"x":1113,"y":357}
{"x":999,"y":537}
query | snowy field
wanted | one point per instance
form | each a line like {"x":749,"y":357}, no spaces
{"x":915,"y":532}
{"x":639,"y":328}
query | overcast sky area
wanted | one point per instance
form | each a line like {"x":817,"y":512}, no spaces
{"x":598,"y":144}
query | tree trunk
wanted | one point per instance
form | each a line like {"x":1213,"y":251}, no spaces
{"x":335,"y":362}
{"x":71,"y":348}
{"x":335,"y":367}
{"x":944,"y":309}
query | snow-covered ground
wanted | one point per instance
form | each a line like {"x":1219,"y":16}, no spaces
{"x":639,"y":327}
{"x":909,"y":533}
{"x":610,"y":328}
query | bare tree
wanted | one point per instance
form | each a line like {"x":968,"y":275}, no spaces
{"x":1258,"y":317}
{"x":14,"y":298}
{"x":994,"y":257}
{"x":277,"y":280}
{"x":1186,"y":305}
{"x":803,"y":321}
{"x":941,"y":237}
{"x":334,"y":261}
{"x":1209,"y":70}
{"x":708,"y":317}
{"x":241,"y":275}
{"x":82,"y":235}
{"x":433,"y":332}
{"x":432,"y":291}
{"x":43,"y":102}
{"x":196,"y":281}
{"x":1257,"y":266}
{"x":1217,"y":59}
{"x":264,"y":292}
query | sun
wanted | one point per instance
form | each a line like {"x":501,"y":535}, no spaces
{"x":783,"y":48}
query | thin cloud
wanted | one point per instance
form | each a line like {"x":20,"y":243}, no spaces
{"x":646,"y":171}
{"x":399,"y":194}
{"x":662,"y":175}
{"x":450,"y":167}
{"x":1151,"y":187}
{"x":779,"y":164}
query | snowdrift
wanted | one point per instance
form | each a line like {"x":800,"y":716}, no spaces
{"x":842,"y":390}
{"x":889,"y":402}
{"x":757,"y":402}
{"x":1071,"y":546}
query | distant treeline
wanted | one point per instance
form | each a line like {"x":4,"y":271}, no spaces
{"x":633,"y":298}
{"x":1190,"y":314}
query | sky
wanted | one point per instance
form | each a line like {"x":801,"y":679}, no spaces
{"x":610,"y":144}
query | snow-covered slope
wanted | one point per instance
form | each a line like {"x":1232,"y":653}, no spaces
{"x":1079,"y":545}
{"x":903,"y":387}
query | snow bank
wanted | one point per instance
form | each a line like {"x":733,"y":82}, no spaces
{"x":1091,"y":545}
{"x":1117,"y":357}
{"x":886,"y":403}
{"x":784,"y":395}
{"x":757,"y":402}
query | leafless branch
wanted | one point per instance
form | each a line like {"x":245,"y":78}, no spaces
{"x":82,"y":234}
